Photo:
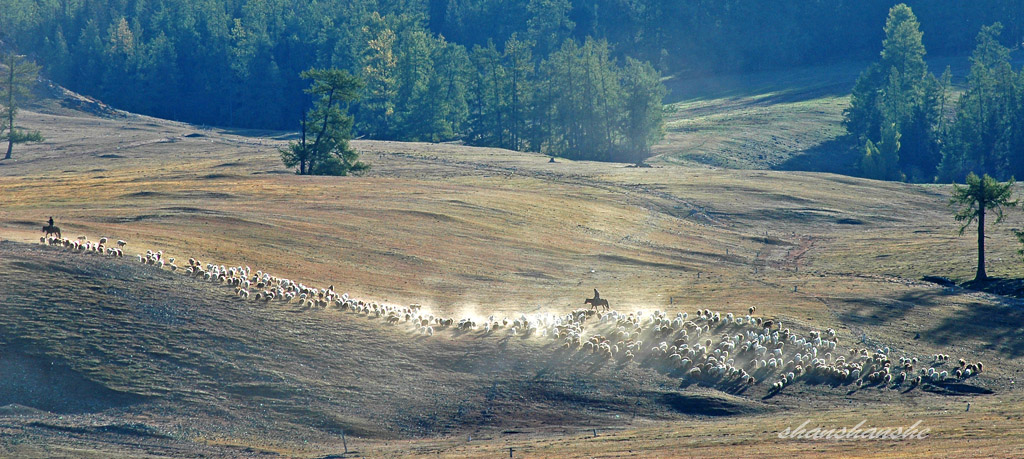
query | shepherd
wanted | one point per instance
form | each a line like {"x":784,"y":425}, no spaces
{"x":51,"y":229}
{"x":597,"y":301}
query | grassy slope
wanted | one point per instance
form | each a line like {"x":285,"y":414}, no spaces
{"x":782,"y":120}
{"x":771,"y":120}
{"x":461,"y":230}
{"x":198,"y":362}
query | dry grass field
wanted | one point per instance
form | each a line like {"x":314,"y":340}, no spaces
{"x":107,"y":357}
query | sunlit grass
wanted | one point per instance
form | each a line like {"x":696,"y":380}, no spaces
{"x":491,"y":231}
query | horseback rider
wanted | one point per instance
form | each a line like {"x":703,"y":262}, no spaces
{"x":596,"y":301}
{"x":51,"y":222}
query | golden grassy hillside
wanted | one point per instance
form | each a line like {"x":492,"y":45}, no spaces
{"x":174,"y":366}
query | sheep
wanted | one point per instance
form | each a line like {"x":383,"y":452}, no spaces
{"x":761,"y":344}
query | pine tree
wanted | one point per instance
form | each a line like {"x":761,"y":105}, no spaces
{"x":18,"y":76}
{"x":880,"y":160}
{"x":898,"y":91}
{"x":564,"y":73}
{"x":379,"y":70}
{"x":549,"y":24}
{"x":446,"y":93}
{"x":978,"y":196}
{"x":863,"y":117}
{"x":489,"y":97}
{"x":981,"y":137}
{"x":643,"y":122}
{"x":519,"y":72}
{"x":326,"y":128}
{"x":415,"y":105}
{"x":603,"y":97}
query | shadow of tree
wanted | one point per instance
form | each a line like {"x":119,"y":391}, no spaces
{"x":873,"y":311}
{"x":837,"y":156}
{"x":999,"y":326}
{"x":880,"y":311}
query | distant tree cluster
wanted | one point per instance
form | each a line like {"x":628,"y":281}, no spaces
{"x":911,"y":128}
{"x":430,"y":68}
{"x":577,"y":103}
{"x":542,"y":88}
{"x":722,"y":35}
{"x":987,"y":135}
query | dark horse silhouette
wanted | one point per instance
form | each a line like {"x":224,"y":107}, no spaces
{"x":597,"y":301}
{"x":50,"y":229}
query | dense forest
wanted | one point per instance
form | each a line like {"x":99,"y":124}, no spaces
{"x":566,"y":77}
{"x":913,"y":126}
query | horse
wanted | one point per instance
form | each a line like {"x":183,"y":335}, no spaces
{"x":50,"y":229}
{"x":596,"y":302}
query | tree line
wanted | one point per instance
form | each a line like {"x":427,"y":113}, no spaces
{"x":913,"y":126}
{"x":269,"y":36}
{"x":240,"y":63}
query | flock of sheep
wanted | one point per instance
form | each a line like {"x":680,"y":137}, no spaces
{"x":728,"y":351}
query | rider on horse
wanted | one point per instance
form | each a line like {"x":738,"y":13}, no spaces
{"x":597,"y":301}
{"x":51,"y":229}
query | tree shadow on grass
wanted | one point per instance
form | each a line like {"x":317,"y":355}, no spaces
{"x":881,"y":311}
{"x":837,"y":156}
{"x":998,"y":286}
{"x":999,"y":326}
{"x":874,"y":311}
